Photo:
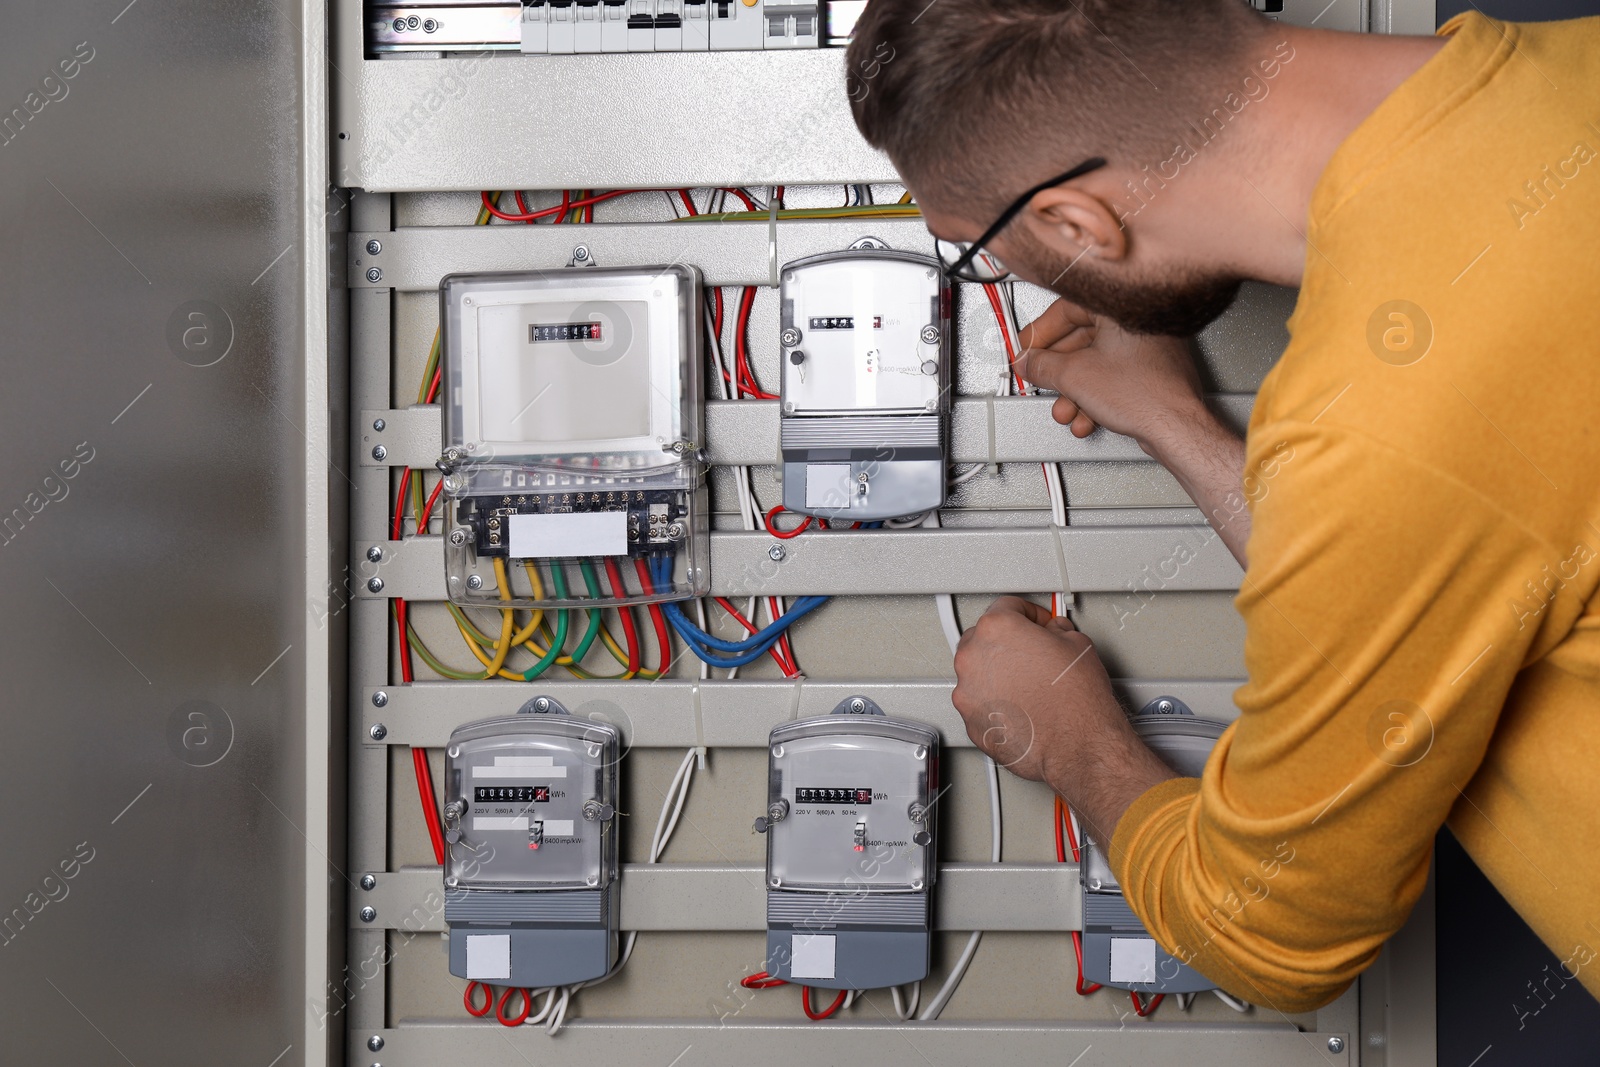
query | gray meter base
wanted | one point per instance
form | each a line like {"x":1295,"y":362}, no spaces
{"x":863,"y":959}
{"x":829,"y":488}
{"x":1107,"y":918}
{"x":553,"y":938}
{"x":846,"y":941}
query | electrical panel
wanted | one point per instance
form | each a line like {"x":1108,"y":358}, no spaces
{"x":556,"y":27}
{"x":1117,"y":950}
{"x":530,"y":875}
{"x":865,"y":344}
{"x":573,"y":413}
{"x":850,"y":848}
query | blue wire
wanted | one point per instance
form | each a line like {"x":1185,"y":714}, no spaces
{"x":706,"y":647}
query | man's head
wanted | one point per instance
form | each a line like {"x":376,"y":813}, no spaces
{"x":975,"y":101}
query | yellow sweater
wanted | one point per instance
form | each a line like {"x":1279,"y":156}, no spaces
{"x":1424,"y":464}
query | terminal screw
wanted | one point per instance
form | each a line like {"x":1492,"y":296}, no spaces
{"x":374,"y":274}
{"x":775,"y":553}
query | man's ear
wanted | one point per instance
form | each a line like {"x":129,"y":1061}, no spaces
{"x":1079,"y":219}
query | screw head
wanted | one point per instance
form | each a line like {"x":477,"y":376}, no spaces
{"x":581,"y":253}
{"x":675,"y":531}
{"x":379,"y":452}
{"x":374,"y":246}
{"x":541,"y":704}
{"x":375,"y":1043}
{"x":475,"y":581}
{"x":1336,"y":1044}
{"x":429,"y":25}
{"x":930,"y":334}
{"x":1165,"y":707}
{"x":375,"y":554}
{"x":367,"y":883}
{"x":790,"y":337}
{"x":368,"y":913}
{"x":374,"y":585}
{"x":374,"y":274}
{"x":378,"y":731}
{"x":775,"y":553}
{"x":379,"y":424}
{"x":458,"y":537}
{"x":380,"y":699}
{"x":858,"y":705}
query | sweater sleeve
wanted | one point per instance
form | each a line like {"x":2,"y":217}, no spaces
{"x":1388,"y":608}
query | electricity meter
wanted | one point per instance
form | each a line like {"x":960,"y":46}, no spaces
{"x":1117,"y":950}
{"x":865,"y":341}
{"x":572,"y":433}
{"x":850,"y":848}
{"x":530,"y":875}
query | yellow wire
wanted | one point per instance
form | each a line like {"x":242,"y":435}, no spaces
{"x":906,"y":199}
{"x":504,"y":647}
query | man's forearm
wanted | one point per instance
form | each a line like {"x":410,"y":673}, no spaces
{"x":1207,"y":459}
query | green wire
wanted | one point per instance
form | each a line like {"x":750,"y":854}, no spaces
{"x":559,"y":581}
{"x":438,"y":668}
{"x":593,"y":630}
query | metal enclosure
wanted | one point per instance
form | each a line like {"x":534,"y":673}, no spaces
{"x":188,"y":221}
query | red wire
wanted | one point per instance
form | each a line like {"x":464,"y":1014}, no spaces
{"x":628,"y":632}
{"x":786,"y":666}
{"x":500,"y":1008}
{"x":761,"y":980}
{"x":588,"y":212}
{"x":1064,"y":826}
{"x":488,"y":999}
{"x":398,"y":526}
{"x":749,"y":205}
{"x":741,"y":357}
{"x":785,"y":534}
{"x":430,"y":811}
{"x":405,"y":640}
{"x":427,"y":509}
{"x":688,"y":204}
{"x":1144,"y":1010}
{"x":777,"y":194}
{"x":567,"y":204}
{"x":522,"y":205}
{"x":993,"y":293}
{"x":817,"y":1016}
{"x":433,"y":387}
{"x":663,"y":645}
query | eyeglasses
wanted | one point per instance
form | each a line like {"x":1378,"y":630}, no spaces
{"x":970,"y":262}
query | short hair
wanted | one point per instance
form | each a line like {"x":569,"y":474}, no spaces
{"x":986,"y":97}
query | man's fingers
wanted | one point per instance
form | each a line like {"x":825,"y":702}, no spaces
{"x":1018,"y":606}
{"x":1063,"y":411}
{"x":1082,"y":425}
{"x":1056,"y":321}
{"x":1062,"y":623}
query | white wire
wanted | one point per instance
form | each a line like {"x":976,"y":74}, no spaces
{"x":1232,"y":1002}
{"x":967,"y":474}
{"x":906,"y":1007}
{"x":1184,"y":1000}
{"x":952,"y":634}
{"x":906,"y":522}
{"x":671,"y":809}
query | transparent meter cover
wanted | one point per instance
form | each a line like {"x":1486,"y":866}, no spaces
{"x":516,"y":790}
{"x":1184,"y":743}
{"x":580,"y":370}
{"x":850,"y":787}
{"x":864,"y":331}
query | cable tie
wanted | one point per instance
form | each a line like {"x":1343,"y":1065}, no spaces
{"x":772,"y":238}
{"x":699,"y":726}
{"x":994,"y":462}
{"x":794,"y":698}
{"x":1058,"y":534}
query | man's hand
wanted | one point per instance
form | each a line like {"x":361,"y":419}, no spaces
{"x":1146,"y":388}
{"x":1131,"y":384}
{"x":1036,"y":698}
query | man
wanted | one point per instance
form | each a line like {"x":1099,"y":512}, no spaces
{"x":1419,"y":493}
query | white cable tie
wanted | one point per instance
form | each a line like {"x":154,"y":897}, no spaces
{"x":1058,"y":535}
{"x":994,"y":462}
{"x":794,"y":698}
{"x":772,"y":237}
{"x":699,"y":726}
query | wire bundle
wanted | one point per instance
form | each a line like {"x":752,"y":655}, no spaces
{"x":720,"y":652}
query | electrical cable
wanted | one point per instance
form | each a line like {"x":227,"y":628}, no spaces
{"x":825,"y":1013}
{"x":952,"y":632}
{"x":663,"y":645}
{"x":1143,"y":1009}
{"x":906,"y":1009}
{"x":784,"y":534}
{"x":1232,"y":1002}
{"x":488,"y":999}
{"x":500,"y":1007}
{"x":566,"y":206}
{"x":430,"y":808}
{"x":1064,"y":827}
{"x":628,"y":632}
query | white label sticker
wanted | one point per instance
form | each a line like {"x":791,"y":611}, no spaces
{"x":539,"y":773}
{"x":558,"y":828}
{"x":811,"y":956}
{"x":827,"y":485}
{"x":1133,"y":959}
{"x":577,"y":533}
{"x":489,"y":957}
{"x":500,"y":822}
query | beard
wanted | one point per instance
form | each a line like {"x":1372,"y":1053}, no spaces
{"x":1179,"y":304}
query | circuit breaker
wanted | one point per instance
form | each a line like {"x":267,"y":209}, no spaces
{"x":865,"y":339}
{"x":573,"y":409}
{"x":850,"y":848}
{"x":530,"y":876}
{"x":1117,"y":950}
